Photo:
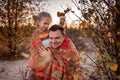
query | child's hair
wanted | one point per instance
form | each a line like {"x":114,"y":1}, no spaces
{"x":44,"y":14}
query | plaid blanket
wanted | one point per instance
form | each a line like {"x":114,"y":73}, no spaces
{"x":36,"y":41}
{"x":64,"y":64}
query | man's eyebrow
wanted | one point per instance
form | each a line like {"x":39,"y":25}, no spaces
{"x":57,"y":37}
{"x":54,"y":37}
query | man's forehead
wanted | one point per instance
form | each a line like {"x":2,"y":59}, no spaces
{"x":55,"y":33}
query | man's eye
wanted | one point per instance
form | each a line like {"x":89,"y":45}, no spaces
{"x":57,"y":38}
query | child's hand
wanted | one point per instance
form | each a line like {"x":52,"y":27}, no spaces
{"x":45,"y":53}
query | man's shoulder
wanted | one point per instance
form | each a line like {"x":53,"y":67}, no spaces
{"x":71,"y":44}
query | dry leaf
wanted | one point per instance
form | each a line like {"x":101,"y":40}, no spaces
{"x":114,"y":67}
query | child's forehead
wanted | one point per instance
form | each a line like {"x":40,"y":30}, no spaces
{"x":45,"y":18}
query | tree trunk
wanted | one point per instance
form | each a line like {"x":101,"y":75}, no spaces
{"x":117,"y":29}
{"x":10,"y":33}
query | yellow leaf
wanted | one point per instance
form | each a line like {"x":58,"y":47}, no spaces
{"x":93,"y":34}
{"x":83,"y":24}
{"x":111,"y":40}
{"x":118,"y":33}
{"x":82,"y":53}
{"x":99,"y":56}
{"x":101,"y":72}
{"x":114,"y":67}
{"x":94,"y":68}
{"x":85,"y":60}
{"x":76,"y":77}
{"x":80,"y":37}
{"x":109,"y":34}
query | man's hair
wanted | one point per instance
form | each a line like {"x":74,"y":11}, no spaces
{"x":43,"y":14}
{"x":57,"y":27}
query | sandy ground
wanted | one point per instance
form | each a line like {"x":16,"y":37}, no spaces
{"x":13,"y":70}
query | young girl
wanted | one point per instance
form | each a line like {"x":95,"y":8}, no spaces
{"x":39,"y":38}
{"x":40,"y":35}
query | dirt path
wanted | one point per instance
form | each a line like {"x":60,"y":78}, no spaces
{"x":12,"y":70}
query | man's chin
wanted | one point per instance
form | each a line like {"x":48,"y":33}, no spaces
{"x":54,"y":47}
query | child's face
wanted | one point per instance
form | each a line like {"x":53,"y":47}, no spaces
{"x":44,"y":23}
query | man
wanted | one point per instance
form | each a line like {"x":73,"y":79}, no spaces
{"x":60,"y":61}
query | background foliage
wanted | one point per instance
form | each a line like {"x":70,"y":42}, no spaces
{"x":16,"y":25}
{"x":100,"y":21}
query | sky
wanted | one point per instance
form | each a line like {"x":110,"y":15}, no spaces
{"x":59,"y":5}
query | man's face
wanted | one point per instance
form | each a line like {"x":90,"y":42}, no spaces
{"x":56,"y":38}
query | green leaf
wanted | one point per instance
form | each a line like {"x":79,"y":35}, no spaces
{"x":107,"y":56}
{"x":85,"y":60}
{"x":113,"y":73}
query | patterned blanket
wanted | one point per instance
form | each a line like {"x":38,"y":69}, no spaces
{"x":64,"y":64}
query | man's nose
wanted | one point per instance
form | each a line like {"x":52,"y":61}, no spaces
{"x":53,"y":40}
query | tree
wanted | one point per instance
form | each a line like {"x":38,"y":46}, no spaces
{"x":13,"y":13}
{"x":16,"y":25}
{"x":117,"y":32}
{"x":100,"y":21}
